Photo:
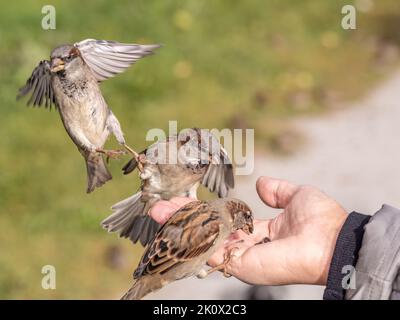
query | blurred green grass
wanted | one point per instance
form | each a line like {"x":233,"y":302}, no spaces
{"x":247,"y":64}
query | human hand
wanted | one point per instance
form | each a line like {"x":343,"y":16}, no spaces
{"x":303,"y":237}
{"x":164,"y":209}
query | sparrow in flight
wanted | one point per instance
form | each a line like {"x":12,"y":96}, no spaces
{"x":70,"y":81}
{"x":171,"y":168}
{"x":187,"y":241}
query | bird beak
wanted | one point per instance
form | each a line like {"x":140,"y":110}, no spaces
{"x":248,"y":229}
{"x":56,"y":65}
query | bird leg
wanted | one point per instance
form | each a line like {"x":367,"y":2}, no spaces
{"x":221,"y":267}
{"x":113,"y":154}
{"x":137,"y":156}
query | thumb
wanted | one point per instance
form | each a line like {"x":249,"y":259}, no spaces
{"x":275,"y":193}
{"x":162,"y":210}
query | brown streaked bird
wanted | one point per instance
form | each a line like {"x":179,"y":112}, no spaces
{"x":70,"y":82}
{"x":171,"y":168}
{"x":187,"y":241}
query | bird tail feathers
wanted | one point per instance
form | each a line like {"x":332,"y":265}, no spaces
{"x":97,"y":171}
{"x":142,"y":287}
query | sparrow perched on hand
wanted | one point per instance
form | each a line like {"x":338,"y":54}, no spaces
{"x":70,"y":82}
{"x":187,"y":240}
{"x":171,"y":168}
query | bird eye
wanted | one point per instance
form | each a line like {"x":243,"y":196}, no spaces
{"x":68,"y":58}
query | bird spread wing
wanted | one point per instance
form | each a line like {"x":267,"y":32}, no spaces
{"x":219,"y":175}
{"x":202,"y":152}
{"x":108,"y":58}
{"x":40,"y":85}
{"x":189,"y":233}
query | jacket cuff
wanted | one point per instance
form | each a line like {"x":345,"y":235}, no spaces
{"x":345,"y":254}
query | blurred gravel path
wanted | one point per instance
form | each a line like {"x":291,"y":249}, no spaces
{"x":352,"y":154}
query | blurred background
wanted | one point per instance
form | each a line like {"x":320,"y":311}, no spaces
{"x":323,"y":102}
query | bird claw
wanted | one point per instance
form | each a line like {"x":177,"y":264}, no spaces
{"x":140,"y":158}
{"x":111,"y":154}
{"x":228,"y":255}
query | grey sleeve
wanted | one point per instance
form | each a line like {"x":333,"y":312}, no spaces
{"x":377,"y":270}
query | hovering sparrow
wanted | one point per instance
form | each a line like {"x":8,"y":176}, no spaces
{"x":70,"y":82}
{"x":186,"y":242}
{"x":171,"y":168}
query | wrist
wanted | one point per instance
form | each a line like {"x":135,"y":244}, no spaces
{"x":333,"y":235}
{"x":345,"y":254}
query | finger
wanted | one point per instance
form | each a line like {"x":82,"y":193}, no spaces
{"x":219,"y":256}
{"x":275,"y":193}
{"x":181,"y":201}
{"x":272,"y":263}
{"x":263,"y":264}
{"x":163,"y":210}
